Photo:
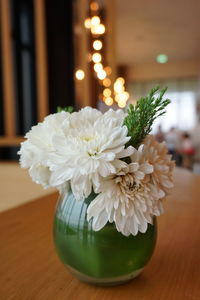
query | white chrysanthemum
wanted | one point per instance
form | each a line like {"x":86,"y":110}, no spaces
{"x":87,"y":113}
{"x":32,"y":158}
{"x":127,"y":198}
{"x":35,"y":150}
{"x":92,"y":147}
{"x":157,"y":155}
{"x":41,"y":135}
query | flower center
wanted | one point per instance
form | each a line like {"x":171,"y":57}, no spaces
{"x":87,"y":138}
{"x":127,"y":185}
{"x":94,"y":152}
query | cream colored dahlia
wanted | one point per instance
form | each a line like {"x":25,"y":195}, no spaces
{"x":157,"y":155}
{"x":132,"y":196}
{"x":126,"y":198}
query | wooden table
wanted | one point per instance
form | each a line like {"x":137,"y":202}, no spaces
{"x":30,"y":269}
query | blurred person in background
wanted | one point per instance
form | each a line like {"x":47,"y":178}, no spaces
{"x":195,"y":135}
{"x":173,"y":142}
{"x":188,"y":151}
{"x":160,"y":137}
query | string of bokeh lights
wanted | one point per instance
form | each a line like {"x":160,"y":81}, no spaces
{"x":112,"y":92}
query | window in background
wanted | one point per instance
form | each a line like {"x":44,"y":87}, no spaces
{"x":181,"y":113}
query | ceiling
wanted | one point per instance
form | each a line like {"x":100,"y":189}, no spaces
{"x":146,"y":28}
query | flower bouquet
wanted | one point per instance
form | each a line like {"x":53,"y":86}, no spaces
{"x":113,"y":177}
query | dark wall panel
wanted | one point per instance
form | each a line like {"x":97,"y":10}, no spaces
{"x":59,"y":27}
{"x":24,"y":64}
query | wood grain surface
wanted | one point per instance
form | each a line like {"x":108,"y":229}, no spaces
{"x":16,"y":187}
{"x":30,"y":269}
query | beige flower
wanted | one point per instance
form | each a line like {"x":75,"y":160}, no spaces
{"x":132,"y":196}
{"x":157,"y":155}
{"x":126,"y":198}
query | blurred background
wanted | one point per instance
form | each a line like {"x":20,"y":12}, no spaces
{"x":105,"y":53}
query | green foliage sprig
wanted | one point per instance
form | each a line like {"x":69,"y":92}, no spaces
{"x":68,"y":109}
{"x":141,"y":116}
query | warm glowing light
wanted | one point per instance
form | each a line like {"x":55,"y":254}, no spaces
{"x":101,"y":74}
{"x":80,"y":75}
{"x":99,"y":29}
{"x":108,"y":70}
{"x":94,"y":6}
{"x":95,"y":21}
{"x":117,"y":98}
{"x":126,"y":95}
{"x":87,"y":23}
{"x":121,"y":80}
{"x":106,"y":82}
{"x":94,"y":30}
{"x":97,"y":45}
{"x":118,"y":87}
{"x":96,"y":57}
{"x":121,"y":103}
{"x":98,"y":67}
{"x":122,"y":97}
{"x":107,"y":92}
{"x":109,"y":101}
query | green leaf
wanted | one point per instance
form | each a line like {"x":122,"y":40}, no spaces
{"x":68,"y":109}
{"x":140,"y":117}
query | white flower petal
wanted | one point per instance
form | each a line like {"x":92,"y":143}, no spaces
{"x":99,"y":221}
{"x":126,"y":152}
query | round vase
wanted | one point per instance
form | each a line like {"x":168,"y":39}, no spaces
{"x":104,"y":257}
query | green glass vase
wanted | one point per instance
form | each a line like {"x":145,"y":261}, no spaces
{"x":104,"y":257}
